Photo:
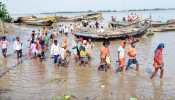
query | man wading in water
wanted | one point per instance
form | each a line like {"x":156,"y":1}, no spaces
{"x":104,"y":54}
{"x":55,"y":52}
{"x":18,"y":49}
{"x":132,"y":57}
{"x":158,"y":61}
{"x":121,"y":56}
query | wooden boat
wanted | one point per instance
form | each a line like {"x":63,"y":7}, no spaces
{"x":123,"y":24}
{"x":39,"y":23}
{"x":45,"y":21}
{"x":69,"y":19}
{"x":160,"y":23}
{"x":171,"y":21}
{"x":136,"y":22}
{"x":164,"y":29}
{"x":93,"y":16}
{"x":120,"y":35}
{"x":22,"y":19}
{"x":157,"y":23}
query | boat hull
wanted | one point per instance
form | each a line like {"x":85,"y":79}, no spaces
{"x":138,"y":33}
{"x":39,"y":23}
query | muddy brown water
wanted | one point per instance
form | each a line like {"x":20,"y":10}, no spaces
{"x":43,"y":81}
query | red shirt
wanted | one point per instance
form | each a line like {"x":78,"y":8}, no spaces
{"x":158,"y":57}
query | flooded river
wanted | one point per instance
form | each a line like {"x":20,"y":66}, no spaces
{"x":42,"y":81}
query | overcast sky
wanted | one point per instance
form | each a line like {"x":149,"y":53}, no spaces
{"x":37,"y":6}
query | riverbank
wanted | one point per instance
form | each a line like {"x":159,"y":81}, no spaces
{"x":107,"y":11}
{"x":8,"y":28}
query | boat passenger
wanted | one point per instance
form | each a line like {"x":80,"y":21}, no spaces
{"x":97,"y":24}
{"x":102,"y":29}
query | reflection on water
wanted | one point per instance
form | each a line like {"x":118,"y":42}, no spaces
{"x":42,"y":81}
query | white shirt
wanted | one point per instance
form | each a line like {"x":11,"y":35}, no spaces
{"x":66,"y":30}
{"x":62,"y":52}
{"x":63,"y":28}
{"x":121,"y":51}
{"x":4,"y":44}
{"x":71,"y":28}
{"x":55,"y":49}
{"x":102,"y":30}
{"x":17,"y":45}
{"x":33,"y":47}
{"x":60,"y":28}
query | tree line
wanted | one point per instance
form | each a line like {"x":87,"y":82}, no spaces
{"x":4,"y":15}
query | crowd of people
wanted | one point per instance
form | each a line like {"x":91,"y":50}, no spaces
{"x":94,"y":25}
{"x":130,"y":18}
{"x":45,"y":41}
{"x":131,"y":52}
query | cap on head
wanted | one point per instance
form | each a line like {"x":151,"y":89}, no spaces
{"x":161,"y":46}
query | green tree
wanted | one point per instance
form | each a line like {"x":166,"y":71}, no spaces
{"x":4,"y":15}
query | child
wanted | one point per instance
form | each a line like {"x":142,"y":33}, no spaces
{"x":33,"y":48}
{"x":4,"y":43}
